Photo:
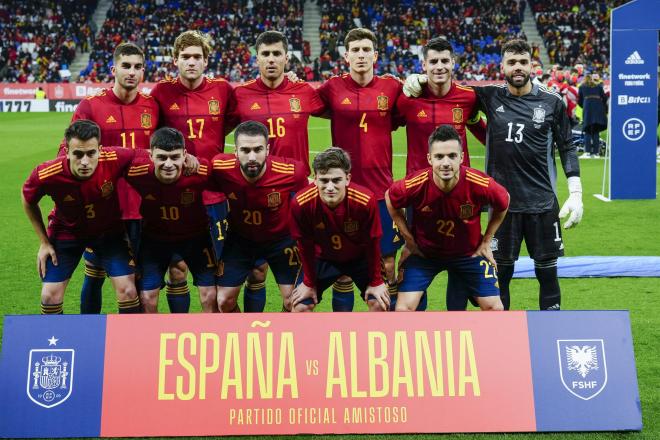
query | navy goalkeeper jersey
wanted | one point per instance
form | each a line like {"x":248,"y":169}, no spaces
{"x":523,"y":134}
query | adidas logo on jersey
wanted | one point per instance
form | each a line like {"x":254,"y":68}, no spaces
{"x":111,"y":120}
{"x":422,"y":114}
{"x":634,"y":58}
{"x":174,"y":106}
{"x":500,"y":109}
{"x":346,"y":101}
{"x":255,"y":106}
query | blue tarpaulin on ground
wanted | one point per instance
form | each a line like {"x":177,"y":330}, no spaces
{"x":590,"y":266}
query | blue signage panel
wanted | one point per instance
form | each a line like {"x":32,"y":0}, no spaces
{"x":52,"y":376}
{"x":583,"y":370}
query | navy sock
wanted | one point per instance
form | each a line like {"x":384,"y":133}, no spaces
{"x":178,"y":297}
{"x":343,"y":297}
{"x":549,"y":292}
{"x":130,"y":306}
{"x":254,"y":297}
{"x":52,"y":309}
{"x":91,"y":295}
{"x":504,"y":275}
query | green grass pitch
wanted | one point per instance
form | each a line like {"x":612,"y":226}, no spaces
{"x":615,"y":228}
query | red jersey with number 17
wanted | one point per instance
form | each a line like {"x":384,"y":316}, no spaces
{"x":448,"y":225}
{"x":285,"y":110}
{"x":83,"y":208}
{"x":362,"y":123}
{"x":259,"y":211}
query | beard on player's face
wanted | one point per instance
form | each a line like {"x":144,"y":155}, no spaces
{"x":517,"y":78}
{"x":252,"y":168}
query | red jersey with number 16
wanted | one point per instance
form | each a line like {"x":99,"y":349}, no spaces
{"x":448,"y":225}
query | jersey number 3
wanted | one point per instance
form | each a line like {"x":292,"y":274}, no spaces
{"x":518,"y":135}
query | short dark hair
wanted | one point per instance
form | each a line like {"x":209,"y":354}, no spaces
{"x":126,"y":49}
{"x":360,"y":34}
{"x":444,"y":133}
{"x":251,"y":128}
{"x":82,"y":129}
{"x":333,"y":157}
{"x":168,"y":139}
{"x":272,"y":37}
{"x":516,"y":46}
{"x":438,"y":44}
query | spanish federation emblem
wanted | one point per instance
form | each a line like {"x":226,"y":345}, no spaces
{"x":351,"y":226}
{"x":466,"y":211}
{"x":457,"y":115}
{"x":145,"y":120}
{"x":214,"y":107}
{"x":582,"y":366}
{"x":274,"y":200}
{"x":294,"y":105}
{"x":107,"y":188}
{"x":382,"y":102}
{"x":187,"y":197}
{"x":50,"y":376}
{"x":539,"y":115}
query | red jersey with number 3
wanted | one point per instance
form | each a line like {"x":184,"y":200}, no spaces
{"x":448,"y":225}
{"x":351,"y":231}
{"x":83,"y":208}
{"x":170,"y":212}
{"x":285,"y":110}
{"x":362,"y":124}
{"x":259,"y":211}
{"x":424,"y":114}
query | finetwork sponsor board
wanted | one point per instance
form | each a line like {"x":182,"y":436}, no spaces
{"x":63,"y":105}
{"x":244,"y":374}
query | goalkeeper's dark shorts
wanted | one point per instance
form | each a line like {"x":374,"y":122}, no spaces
{"x":541,"y":232}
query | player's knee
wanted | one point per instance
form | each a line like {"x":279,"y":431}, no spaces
{"x":374,"y":306}
{"x":493,"y":304}
{"x":125,"y":290}
{"x":403,"y":306}
{"x":257,"y":275}
{"x":388,"y":268}
{"x":149,"y":301}
{"x":226,"y":301}
{"x":208,"y":298}
{"x":52,"y":293}
{"x":300,"y":307}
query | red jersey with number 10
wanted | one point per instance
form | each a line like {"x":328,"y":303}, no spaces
{"x":285,"y":110}
{"x":362,"y":125}
{"x":448,"y":225}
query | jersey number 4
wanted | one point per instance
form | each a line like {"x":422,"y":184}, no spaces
{"x":516,"y":137}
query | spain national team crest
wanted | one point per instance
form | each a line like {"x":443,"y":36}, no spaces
{"x":294,"y":105}
{"x":457,"y":115}
{"x":274,"y":199}
{"x":145,"y":120}
{"x":187,"y":197}
{"x":50,"y":376}
{"x":539,"y":115}
{"x":107,"y":188}
{"x":582,"y":366}
{"x":466,"y":211}
{"x":351,"y":226}
{"x":383,"y":102}
{"x":214,"y":107}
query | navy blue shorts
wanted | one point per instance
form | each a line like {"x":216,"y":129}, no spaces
{"x":110,"y":252}
{"x":472,"y":276}
{"x":218,"y":225}
{"x":241,"y":256}
{"x":391,"y":241}
{"x":156,"y":256}
{"x":327,"y":272}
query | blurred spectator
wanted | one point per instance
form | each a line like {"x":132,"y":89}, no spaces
{"x":592,"y":99}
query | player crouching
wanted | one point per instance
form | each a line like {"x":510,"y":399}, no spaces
{"x":338,"y":231}
{"x":445,"y":234}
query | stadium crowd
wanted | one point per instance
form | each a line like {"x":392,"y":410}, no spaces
{"x":233,"y":27}
{"x":39,"y":39}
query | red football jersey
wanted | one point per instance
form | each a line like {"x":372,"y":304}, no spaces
{"x":259,"y":211}
{"x":362,"y":124}
{"x":351,"y":231}
{"x":83,"y":208}
{"x":422,"y":115}
{"x":170,"y":212}
{"x":447,"y":225}
{"x":122,"y":125}
{"x":285,"y":110}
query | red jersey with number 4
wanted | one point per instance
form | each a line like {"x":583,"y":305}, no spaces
{"x":424,"y":114}
{"x":362,"y":125}
{"x":351,"y":231}
{"x":285,"y":110}
{"x":83,"y":208}
{"x":122,"y":125}
{"x":171,"y":212}
{"x":448,"y":225}
{"x":259,"y":211}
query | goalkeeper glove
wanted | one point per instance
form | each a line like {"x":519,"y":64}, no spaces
{"x":414,"y":84}
{"x":573,"y":205}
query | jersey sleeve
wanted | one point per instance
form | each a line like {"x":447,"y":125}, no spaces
{"x":32,"y":189}
{"x":478,"y":129}
{"x":497,"y":195}
{"x":317,"y":105}
{"x":561,"y":131}
{"x":373,"y":251}
{"x":399,"y":120}
{"x":398,"y":195}
{"x":300,"y":176}
{"x":324,"y":92}
{"x":303,"y":237}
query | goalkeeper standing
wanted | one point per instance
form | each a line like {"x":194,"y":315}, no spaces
{"x":527,"y":124}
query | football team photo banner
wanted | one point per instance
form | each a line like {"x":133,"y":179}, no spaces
{"x":277,"y":373}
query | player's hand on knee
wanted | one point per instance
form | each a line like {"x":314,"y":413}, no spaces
{"x":415,"y":84}
{"x":381,"y":295}
{"x":303,"y":292}
{"x":484,"y":250}
{"x":46,"y":251}
{"x":573,"y":207}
